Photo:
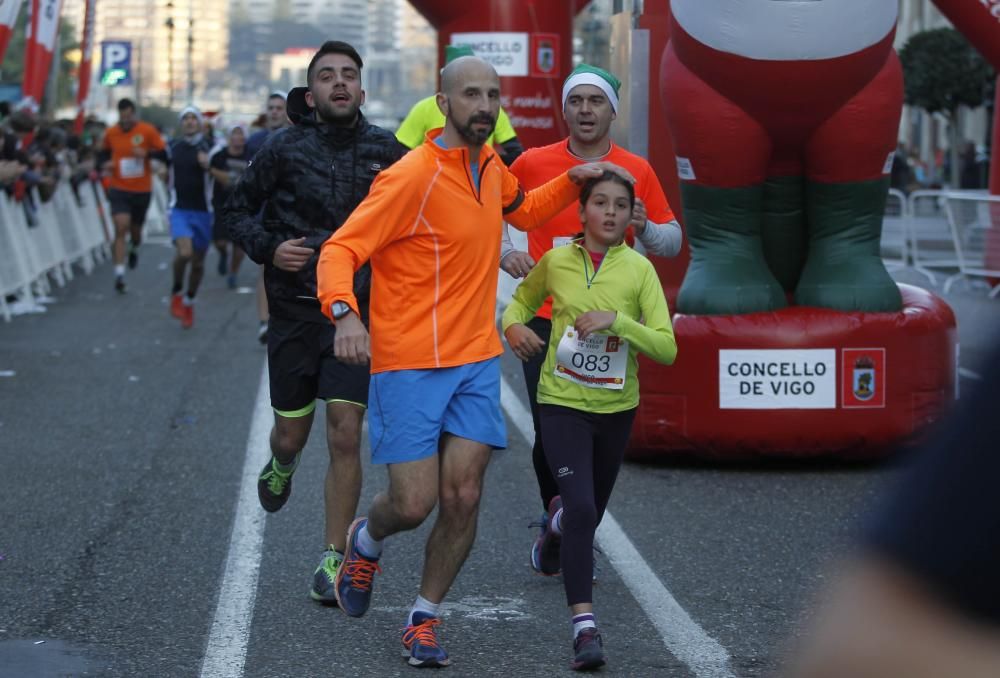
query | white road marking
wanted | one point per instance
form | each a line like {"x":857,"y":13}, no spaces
{"x":682,"y":636}
{"x":480,"y":608}
{"x":227,"y":641}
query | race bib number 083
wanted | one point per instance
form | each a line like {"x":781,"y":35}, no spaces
{"x":599,"y":361}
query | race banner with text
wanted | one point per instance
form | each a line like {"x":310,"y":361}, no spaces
{"x":9,"y":9}
{"x":86,"y":52}
{"x":43,"y":27}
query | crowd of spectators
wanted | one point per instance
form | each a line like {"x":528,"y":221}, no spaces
{"x":37,"y":155}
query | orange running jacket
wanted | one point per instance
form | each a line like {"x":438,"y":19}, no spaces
{"x":434,"y":244}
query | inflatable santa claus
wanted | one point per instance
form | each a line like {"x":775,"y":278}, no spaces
{"x":784,"y":118}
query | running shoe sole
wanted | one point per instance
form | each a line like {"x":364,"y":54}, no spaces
{"x":588,"y":665}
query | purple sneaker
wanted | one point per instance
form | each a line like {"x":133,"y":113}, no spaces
{"x":353,"y":584}
{"x":545,"y":550}
{"x":588,"y":651}
{"x":421,"y":643}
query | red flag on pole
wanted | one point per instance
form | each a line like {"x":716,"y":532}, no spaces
{"x":86,"y":49}
{"x":9,"y":10}
{"x":39,"y":45}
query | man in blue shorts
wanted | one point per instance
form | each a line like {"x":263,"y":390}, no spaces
{"x":431,"y":228}
{"x":190,"y":217}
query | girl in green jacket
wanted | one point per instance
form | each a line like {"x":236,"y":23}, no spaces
{"x":608,"y":306}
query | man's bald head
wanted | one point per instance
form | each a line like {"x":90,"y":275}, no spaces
{"x":470,"y":101}
{"x":456,"y":74}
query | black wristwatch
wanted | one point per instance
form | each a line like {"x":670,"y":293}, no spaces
{"x":339,"y":309}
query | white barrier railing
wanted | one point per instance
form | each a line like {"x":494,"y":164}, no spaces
{"x":931,"y":243}
{"x":894,"y":246}
{"x":974,"y":219}
{"x":63,"y":232}
{"x":157,"y":218}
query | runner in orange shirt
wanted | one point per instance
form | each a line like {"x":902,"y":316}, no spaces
{"x":590,"y":103}
{"x":431,"y":228}
{"x":125,"y":154}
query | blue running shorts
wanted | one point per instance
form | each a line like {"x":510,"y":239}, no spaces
{"x":409,"y":410}
{"x":192,"y":224}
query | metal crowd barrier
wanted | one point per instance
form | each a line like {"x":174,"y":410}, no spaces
{"x":931,"y":243}
{"x":41,"y":248}
{"x":157,"y":218}
{"x":894,"y":247}
{"x":974,"y":219}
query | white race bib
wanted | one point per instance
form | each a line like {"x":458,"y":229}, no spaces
{"x":131,"y":168}
{"x":599,"y":361}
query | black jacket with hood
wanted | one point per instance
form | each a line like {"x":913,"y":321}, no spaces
{"x":304,"y":183}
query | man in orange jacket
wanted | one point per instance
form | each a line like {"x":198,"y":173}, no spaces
{"x":431,"y":228}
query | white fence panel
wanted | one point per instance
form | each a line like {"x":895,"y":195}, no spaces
{"x":931,"y":244}
{"x":893,"y":246}
{"x":157,"y":218}
{"x":974,"y":219}
{"x":16,"y":271}
{"x":39,"y":240}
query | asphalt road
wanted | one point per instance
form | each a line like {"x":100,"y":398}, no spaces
{"x":123,"y":442}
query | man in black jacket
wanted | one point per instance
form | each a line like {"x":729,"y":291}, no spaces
{"x":308,"y":180}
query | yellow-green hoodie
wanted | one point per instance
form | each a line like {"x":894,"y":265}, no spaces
{"x":625,"y":282}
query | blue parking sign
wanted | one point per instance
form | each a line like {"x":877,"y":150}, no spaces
{"x":116,"y":62}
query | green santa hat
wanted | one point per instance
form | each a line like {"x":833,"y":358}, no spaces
{"x":452,"y":52}
{"x":585,"y":74}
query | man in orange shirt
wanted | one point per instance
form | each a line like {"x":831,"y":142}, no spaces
{"x":125,"y":153}
{"x":590,"y":104}
{"x":431,"y":228}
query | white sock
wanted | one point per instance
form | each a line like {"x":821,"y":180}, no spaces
{"x":425,"y":606}
{"x":119,"y":270}
{"x":555,"y":522}
{"x":370,"y":548}
{"x":188,"y":301}
{"x":583,"y":621}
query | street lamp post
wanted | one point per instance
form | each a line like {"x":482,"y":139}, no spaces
{"x":169,"y":23}
{"x":190,"y":53}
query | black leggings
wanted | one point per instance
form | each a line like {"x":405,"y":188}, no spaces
{"x":585,"y":452}
{"x":532,"y":367}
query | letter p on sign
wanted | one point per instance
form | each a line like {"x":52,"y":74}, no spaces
{"x":116,"y":62}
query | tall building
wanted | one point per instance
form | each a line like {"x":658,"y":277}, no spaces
{"x":400,"y":60}
{"x":418,"y":58}
{"x":179,"y":47}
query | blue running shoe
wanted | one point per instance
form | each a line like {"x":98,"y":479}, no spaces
{"x":588,"y":651}
{"x":353,"y":585}
{"x":545,"y":550}
{"x":420,"y":641}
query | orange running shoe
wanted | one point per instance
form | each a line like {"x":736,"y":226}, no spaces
{"x":187,"y":316}
{"x":177,"y":305}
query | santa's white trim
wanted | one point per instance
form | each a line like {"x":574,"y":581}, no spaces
{"x":787,"y":30}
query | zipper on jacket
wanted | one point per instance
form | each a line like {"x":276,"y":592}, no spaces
{"x":468,"y":175}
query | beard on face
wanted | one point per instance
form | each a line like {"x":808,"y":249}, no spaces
{"x":326,"y":112}
{"x":473,"y":136}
